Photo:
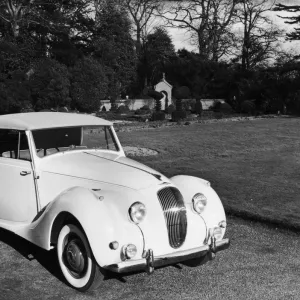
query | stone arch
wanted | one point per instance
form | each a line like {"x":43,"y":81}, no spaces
{"x":165,"y":100}
{"x":166,"y":88}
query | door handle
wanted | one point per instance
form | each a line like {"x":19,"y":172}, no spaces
{"x":24,"y":173}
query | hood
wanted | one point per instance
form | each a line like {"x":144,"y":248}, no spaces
{"x":103,"y":167}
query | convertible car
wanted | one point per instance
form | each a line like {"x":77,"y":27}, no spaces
{"x":66,"y":183}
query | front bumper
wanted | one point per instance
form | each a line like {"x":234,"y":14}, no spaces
{"x":150,"y":262}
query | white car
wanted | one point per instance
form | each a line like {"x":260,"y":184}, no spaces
{"x":66,"y":183}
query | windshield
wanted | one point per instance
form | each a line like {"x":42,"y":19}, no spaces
{"x":54,"y":140}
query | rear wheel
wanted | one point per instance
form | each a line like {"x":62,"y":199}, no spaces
{"x":76,"y":259}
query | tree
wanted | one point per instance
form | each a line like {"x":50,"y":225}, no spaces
{"x":204,"y":78}
{"x":208,"y":21}
{"x":260,"y":36}
{"x":142,"y":13}
{"x":158,"y":51}
{"x":49,"y":85}
{"x":14,"y":93}
{"x":293,"y":20}
{"x":89,"y":85}
{"x":114,"y":48}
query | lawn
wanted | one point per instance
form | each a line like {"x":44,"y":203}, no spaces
{"x":253,"y":165}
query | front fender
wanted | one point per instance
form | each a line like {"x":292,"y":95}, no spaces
{"x":189,"y":186}
{"x":103,"y":216}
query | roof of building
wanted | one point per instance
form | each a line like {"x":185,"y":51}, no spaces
{"x":41,"y":120}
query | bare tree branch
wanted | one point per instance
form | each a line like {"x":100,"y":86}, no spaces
{"x":208,"y":22}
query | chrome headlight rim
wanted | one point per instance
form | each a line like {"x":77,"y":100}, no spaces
{"x":137,"y":212}
{"x":199,"y":201}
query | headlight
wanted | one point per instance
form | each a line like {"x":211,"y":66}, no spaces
{"x":199,"y":203}
{"x":137,"y":212}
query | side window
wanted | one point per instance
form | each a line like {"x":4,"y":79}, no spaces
{"x":14,"y":144}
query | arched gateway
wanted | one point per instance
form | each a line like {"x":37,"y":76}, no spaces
{"x":166,"y":88}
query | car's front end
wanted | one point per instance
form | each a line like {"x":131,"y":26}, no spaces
{"x":174,"y":229}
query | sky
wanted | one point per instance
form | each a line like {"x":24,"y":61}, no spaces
{"x":181,"y":40}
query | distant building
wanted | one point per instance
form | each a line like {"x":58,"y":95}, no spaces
{"x":165,"y":88}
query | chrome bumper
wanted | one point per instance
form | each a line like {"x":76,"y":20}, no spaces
{"x":150,"y":262}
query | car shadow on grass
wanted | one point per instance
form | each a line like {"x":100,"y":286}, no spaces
{"x":47,"y":259}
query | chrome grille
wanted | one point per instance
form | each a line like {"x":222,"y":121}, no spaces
{"x":175,"y":215}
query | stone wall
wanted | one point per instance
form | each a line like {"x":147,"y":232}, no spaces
{"x":135,"y":104}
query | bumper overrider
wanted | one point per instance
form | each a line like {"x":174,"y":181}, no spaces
{"x":150,"y":262}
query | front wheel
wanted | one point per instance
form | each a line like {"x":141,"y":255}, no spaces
{"x":76,"y":259}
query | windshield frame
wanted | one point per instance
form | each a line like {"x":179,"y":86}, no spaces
{"x":119,"y":150}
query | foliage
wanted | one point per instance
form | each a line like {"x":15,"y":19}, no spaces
{"x":157,"y":105}
{"x":49,"y":85}
{"x":122,"y":109}
{"x":178,"y":115}
{"x":171,"y":108}
{"x":248,"y":106}
{"x":14,"y":93}
{"x":89,"y":85}
{"x":225,"y":108}
{"x":142,"y":112}
{"x":145,"y":107}
{"x":158,"y":51}
{"x":198,"y":107}
{"x":216,"y":106}
{"x":158,"y":116}
{"x":205,"y":79}
{"x":179,"y":93}
{"x":293,"y":104}
{"x":182,"y":92}
{"x":114,"y":49}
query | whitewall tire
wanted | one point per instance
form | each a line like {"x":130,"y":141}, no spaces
{"x":76,"y":259}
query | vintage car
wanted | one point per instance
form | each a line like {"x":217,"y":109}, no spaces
{"x":66,"y":183}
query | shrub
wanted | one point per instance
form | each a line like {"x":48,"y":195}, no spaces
{"x":157,"y":105}
{"x":225,"y":108}
{"x":248,"y":107}
{"x":216,"y":106}
{"x":122,"y":109}
{"x":178,"y":115}
{"x":186,"y":106}
{"x":171,"y":108}
{"x":145,"y":107}
{"x":198,"y":107}
{"x":140,"y":112}
{"x":158,"y":116}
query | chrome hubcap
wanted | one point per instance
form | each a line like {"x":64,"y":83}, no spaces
{"x":75,"y":257}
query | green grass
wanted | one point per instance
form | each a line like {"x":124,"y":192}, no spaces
{"x":253,"y":165}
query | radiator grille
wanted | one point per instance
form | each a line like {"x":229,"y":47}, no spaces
{"x":175,"y":215}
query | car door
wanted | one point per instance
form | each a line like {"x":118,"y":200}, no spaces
{"x":17,"y":187}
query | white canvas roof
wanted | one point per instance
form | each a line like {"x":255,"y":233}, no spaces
{"x":41,"y":120}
